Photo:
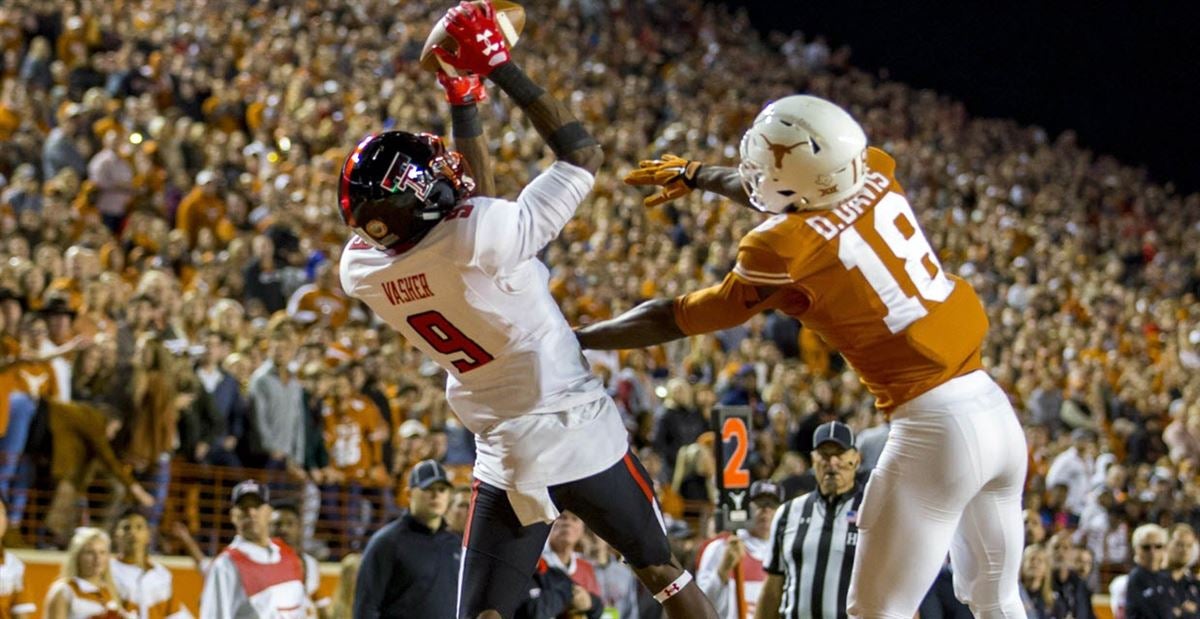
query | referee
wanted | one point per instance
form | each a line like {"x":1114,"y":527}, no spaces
{"x":814,"y":536}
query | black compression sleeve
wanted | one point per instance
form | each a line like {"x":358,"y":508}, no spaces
{"x":510,"y":78}
{"x":569,"y":138}
{"x":465,"y":121}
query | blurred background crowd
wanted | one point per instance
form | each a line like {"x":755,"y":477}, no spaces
{"x":170,"y":306}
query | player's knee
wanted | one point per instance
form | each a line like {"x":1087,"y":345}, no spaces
{"x":1009,"y":609}
{"x":873,"y":609}
{"x":870,"y":611}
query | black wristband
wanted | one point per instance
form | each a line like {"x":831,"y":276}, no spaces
{"x":464,"y":121}
{"x":570,"y":138}
{"x":513,"y":81}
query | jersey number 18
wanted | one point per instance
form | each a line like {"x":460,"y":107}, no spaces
{"x":897,"y":227}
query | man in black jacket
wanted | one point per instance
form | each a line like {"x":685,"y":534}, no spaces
{"x":410,"y":566}
{"x":1146,"y":588}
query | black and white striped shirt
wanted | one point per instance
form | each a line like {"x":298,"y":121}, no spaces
{"x":813,"y":540}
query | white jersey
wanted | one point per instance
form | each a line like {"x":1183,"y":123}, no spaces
{"x":151,"y":590}
{"x":473,"y":296}
{"x":723,"y":594}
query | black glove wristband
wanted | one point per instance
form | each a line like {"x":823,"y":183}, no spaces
{"x":464,"y":121}
{"x":513,"y":81}
{"x":570,"y":138}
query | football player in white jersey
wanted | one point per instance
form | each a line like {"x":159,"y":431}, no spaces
{"x":457,"y":274}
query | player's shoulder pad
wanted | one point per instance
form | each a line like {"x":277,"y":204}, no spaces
{"x":880,"y":161}
{"x":456,"y":236}
{"x":490,"y":232}
{"x":781,"y":235}
{"x":346,"y":270}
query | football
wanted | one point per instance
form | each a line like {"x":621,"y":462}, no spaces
{"x":510,"y":17}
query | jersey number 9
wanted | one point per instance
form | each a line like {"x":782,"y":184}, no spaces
{"x":447,"y":339}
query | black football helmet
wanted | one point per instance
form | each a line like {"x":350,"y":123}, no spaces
{"x":396,"y":186}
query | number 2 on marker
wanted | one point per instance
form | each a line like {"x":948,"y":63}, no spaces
{"x":735,"y":474}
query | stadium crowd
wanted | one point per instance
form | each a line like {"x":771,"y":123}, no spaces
{"x":169,"y":290}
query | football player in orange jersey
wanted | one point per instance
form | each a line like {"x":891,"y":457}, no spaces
{"x":843,"y":252}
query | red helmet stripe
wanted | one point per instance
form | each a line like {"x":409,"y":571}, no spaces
{"x":347,"y":170}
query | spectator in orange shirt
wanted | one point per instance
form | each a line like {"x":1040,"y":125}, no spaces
{"x":27,"y":379}
{"x":354,"y":437}
{"x":202,"y":208}
{"x":354,"y":433}
{"x":322,"y":301}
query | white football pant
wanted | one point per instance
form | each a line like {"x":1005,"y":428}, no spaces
{"x":949,"y":479}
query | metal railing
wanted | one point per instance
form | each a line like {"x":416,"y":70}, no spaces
{"x":339,"y":518}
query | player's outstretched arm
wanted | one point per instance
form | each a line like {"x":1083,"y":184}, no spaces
{"x":717,"y":307}
{"x":650,"y":323}
{"x":563,"y":133}
{"x":483,"y":51}
{"x":464,"y":93}
{"x":676,"y":177}
{"x":724,"y":181}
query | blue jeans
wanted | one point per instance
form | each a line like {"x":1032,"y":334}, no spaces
{"x":16,"y":473}
{"x":156,"y":480}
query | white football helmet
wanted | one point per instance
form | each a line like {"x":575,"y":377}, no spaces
{"x":802,"y":151}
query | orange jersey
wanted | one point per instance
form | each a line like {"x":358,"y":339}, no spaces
{"x":310,"y":303}
{"x":354,"y":435}
{"x":33,"y":378}
{"x":862,"y":276}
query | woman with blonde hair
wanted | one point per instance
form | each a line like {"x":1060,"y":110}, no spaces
{"x":693,"y":480}
{"x":694,"y":467}
{"x":1037,"y":591}
{"x":85,"y":588}
{"x":343,"y":598}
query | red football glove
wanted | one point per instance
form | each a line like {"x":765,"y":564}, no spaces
{"x":481,"y":45}
{"x":462,"y":90}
